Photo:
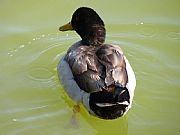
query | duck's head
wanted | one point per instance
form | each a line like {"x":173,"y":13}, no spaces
{"x":87,"y":23}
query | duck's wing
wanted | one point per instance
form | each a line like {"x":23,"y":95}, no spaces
{"x":87,"y":70}
{"x":81,"y":59}
{"x":113,"y":59}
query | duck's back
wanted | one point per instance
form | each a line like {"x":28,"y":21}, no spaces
{"x":97,"y":68}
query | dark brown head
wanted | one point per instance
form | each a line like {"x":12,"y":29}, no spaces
{"x":87,"y":23}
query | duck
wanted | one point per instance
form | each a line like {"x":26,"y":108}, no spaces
{"x":94,"y":73}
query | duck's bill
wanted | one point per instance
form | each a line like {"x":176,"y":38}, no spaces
{"x":66,"y":27}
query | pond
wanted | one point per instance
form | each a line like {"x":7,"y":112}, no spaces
{"x":32,"y":100}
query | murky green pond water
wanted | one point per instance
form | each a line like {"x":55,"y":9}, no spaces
{"x":32,"y":101}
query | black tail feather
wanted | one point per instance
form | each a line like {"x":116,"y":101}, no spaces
{"x":109,"y":105}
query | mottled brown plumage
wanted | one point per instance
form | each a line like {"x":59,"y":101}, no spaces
{"x":97,"y":68}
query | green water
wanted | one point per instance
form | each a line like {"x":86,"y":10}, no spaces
{"x":32,"y":101}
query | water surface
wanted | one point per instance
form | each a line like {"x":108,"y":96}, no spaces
{"x":33,"y":102}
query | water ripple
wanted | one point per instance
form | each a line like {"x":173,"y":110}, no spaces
{"x":41,"y":116}
{"x":174,"y":35}
{"x":40,"y":74}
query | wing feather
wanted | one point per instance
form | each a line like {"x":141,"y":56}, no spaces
{"x":113,"y":59}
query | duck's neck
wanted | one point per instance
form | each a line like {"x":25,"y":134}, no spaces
{"x":95,"y":35}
